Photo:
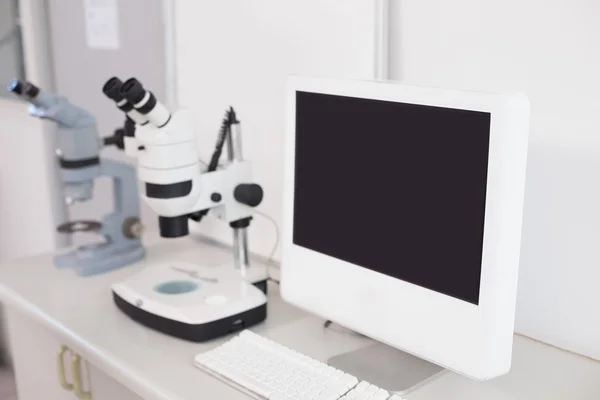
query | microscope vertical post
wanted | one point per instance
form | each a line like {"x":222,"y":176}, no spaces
{"x":240,"y":234}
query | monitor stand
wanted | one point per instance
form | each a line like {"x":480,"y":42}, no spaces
{"x":389,"y":368}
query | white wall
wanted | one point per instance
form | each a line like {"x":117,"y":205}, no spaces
{"x":239,"y":53}
{"x":549,"y":49}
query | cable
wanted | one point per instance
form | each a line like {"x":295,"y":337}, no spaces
{"x":275,"y":246}
{"x":269,"y":261}
{"x":328,"y":323}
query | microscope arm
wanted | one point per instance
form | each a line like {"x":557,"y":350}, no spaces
{"x":236,"y":207}
{"x":226,"y":192}
{"x":124,"y":196}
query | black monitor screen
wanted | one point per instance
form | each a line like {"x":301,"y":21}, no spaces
{"x":397,"y":188}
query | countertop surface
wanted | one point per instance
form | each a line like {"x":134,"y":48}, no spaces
{"x":156,"y":366}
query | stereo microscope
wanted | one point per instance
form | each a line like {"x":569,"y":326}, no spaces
{"x":78,"y":150}
{"x":214,"y":300}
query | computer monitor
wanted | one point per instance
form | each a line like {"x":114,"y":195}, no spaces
{"x":402,"y":215}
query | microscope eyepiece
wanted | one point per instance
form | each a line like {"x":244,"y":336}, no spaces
{"x":23,"y":89}
{"x":145,"y":102}
{"x":133,"y":91}
{"x":112,"y":89}
{"x":15,"y":86}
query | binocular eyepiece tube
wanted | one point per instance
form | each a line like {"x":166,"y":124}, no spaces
{"x":24,"y":89}
{"x":112,"y":90}
{"x":142,"y":100}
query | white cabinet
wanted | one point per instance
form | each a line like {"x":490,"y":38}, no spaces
{"x":103,"y":387}
{"x":34,"y":354}
{"x":47,"y":368}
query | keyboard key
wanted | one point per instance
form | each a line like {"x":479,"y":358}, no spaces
{"x":337,"y":374}
{"x":371,"y":389}
{"x":362,"y":386}
{"x":349,"y":380}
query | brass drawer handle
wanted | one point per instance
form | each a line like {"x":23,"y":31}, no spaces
{"x":62,"y":376}
{"x":77,"y":386}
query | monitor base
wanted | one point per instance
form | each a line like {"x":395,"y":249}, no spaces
{"x":390,"y":369}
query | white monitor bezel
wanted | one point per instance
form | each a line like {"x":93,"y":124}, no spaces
{"x":472,"y":340}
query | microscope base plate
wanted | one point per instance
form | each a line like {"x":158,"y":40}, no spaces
{"x":93,"y":260}
{"x":190,"y":301}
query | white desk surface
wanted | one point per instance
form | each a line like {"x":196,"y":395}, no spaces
{"x":81,"y":312}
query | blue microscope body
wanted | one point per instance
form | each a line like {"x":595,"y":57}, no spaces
{"x":78,"y":151}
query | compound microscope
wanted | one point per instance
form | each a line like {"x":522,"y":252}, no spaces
{"x":186,"y":300}
{"x":78,"y":151}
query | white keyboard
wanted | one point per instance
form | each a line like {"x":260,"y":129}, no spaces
{"x":267,"y":370}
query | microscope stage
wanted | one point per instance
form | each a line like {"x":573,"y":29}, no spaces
{"x":191,"y":301}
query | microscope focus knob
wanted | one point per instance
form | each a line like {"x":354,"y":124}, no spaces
{"x":117,"y":139}
{"x":249,"y":194}
{"x":133,"y":228}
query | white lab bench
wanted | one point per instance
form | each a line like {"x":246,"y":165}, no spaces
{"x":48,"y":308}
